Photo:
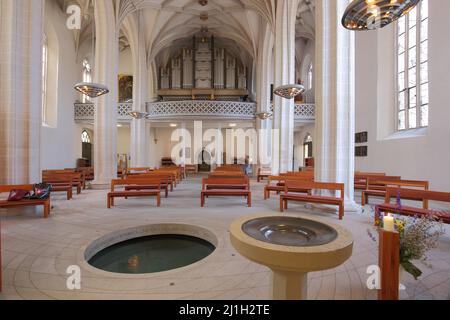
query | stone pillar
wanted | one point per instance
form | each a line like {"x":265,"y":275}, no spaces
{"x":263,"y":81}
{"x":335,"y":102}
{"x":139,"y":146}
{"x":106,"y":70}
{"x":283,"y":143}
{"x":21,"y":38}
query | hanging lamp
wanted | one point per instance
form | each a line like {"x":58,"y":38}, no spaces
{"x":264,"y":115}
{"x":289,"y":91}
{"x":138,"y":115}
{"x":91,"y":89}
{"x":362,"y":15}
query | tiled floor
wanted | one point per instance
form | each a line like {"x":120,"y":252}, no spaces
{"x":36,"y":253}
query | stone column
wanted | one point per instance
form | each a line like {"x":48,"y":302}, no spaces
{"x":21,"y":36}
{"x":335,"y":103}
{"x":139,"y":146}
{"x":106,"y":71}
{"x":263,"y":82}
{"x":283,"y":143}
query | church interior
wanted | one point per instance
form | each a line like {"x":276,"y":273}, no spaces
{"x":224,"y":150}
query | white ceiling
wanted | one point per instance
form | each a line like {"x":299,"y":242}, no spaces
{"x":168,"y":21}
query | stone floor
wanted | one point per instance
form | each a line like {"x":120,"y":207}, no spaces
{"x":36,"y":253}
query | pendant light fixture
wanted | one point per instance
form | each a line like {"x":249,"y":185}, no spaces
{"x":264,"y":115}
{"x":364,"y":15}
{"x":91,"y":89}
{"x":138,"y":115}
{"x":289,"y":91}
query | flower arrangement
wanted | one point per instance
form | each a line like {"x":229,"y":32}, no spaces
{"x":418,"y":235}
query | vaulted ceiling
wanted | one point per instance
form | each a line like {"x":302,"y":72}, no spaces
{"x":166,"y":22}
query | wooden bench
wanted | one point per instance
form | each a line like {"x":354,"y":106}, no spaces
{"x":263,"y":173}
{"x":166,"y":178}
{"x":226,"y":188}
{"x":60,"y":183}
{"x":360,"y":180}
{"x":136,"y":171}
{"x":280,"y":186}
{"x":223,"y":174}
{"x":381,"y":185}
{"x":308,"y":198}
{"x":423,"y":196}
{"x":239,"y":178}
{"x":228,"y":168}
{"x":153,"y":184}
{"x":77,"y":177}
{"x":128,"y":194}
{"x":25,"y":202}
{"x":190,"y":168}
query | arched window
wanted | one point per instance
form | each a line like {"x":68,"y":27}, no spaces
{"x":310,"y":77}
{"x":87,"y":77}
{"x":85,"y":137}
{"x":44,"y":79}
{"x":412,"y":68}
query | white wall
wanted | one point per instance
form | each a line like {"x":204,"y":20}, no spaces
{"x":58,"y":143}
{"x":126,"y":63}
{"x":424,"y":154}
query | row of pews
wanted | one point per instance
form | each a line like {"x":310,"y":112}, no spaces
{"x":299,"y":187}
{"x":146,"y":182}
{"x":381,"y":185}
{"x":226,"y":181}
{"x":65,"y":180}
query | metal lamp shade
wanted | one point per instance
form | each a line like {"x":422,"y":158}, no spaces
{"x":264,"y":115}
{"x":363,"y":15}
{"x":138,"y":115}
{"x":92,"y":90}
{"x":289,"y":91}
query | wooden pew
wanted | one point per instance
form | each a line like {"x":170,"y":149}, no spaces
{"x":264,"y":173}
{"x":25,"y":202}
{"x":226,"y":188}
{"x":60,"y":183}
{"x":190,"y":168}
{"x":127,"y":194}
{"x":165,"y":178}
{"x":223,"y":174}
{"x":228,"y":168}
{"x":361,"y":179}
{"x":381,"y":185}
{"x":77,"y":177}
{"x":423,"y":196}
{"x":308,"y":198}
{"x":153,"y":183}
{"x":135,"y":171}
{"x":231,"y":176}
{"x":280,"y":186}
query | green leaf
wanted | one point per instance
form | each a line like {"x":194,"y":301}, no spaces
{"x":412,"y":269}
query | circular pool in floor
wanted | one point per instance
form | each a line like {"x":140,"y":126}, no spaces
{"x":151,"y":254}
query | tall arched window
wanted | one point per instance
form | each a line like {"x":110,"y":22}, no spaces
{"x":85,"y":137}
{"x":310,"y":77}
{"x":412,"y":68}
{"x":87,"y":77}
{"x":44,"y":79}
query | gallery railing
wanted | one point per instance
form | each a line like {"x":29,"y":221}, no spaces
{"x":201,"y":109}
{"x":185,"y":110}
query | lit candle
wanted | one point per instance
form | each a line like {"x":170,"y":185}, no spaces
{"x":388,"y":223}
